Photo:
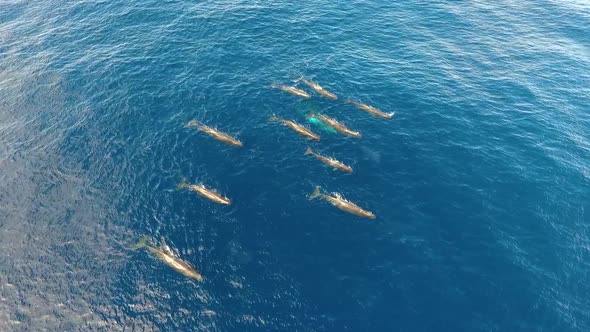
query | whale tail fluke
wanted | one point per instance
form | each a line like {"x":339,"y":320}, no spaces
{"x":183,"y":184}
{"x":274,"y":118}
{"x":316,"y":193}
{"x":192,"y":123}
{"x":140,"y":244}
{"x":308,"y":151}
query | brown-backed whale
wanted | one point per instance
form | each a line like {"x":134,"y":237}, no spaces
{"x":338,"y":201}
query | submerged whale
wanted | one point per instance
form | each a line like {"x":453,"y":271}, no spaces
{"x":292,"y":90}
{"x":335,"y":164}
{"x":218,"y":135}
{"x":201,"y":190}
{"x":370,"y":109}
{"x":167,"y":257}
{"x":301,"y":130}
{"x":339,"y":127}
{"x":338,"y":201}
{"x":320,"y":90}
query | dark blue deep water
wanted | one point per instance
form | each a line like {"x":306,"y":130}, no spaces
{"x":480,"y":182}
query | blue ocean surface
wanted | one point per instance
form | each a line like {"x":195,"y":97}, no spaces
{"x":480,"y":182}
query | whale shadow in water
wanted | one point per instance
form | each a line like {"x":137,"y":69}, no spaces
{"x":371,"y":155}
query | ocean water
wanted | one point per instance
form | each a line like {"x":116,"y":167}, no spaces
{"x":480,"y":182}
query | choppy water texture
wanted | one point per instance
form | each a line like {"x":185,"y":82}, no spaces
{"x":481,"y":182}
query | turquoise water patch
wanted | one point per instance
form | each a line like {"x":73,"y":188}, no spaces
{"x":322,"y":126}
